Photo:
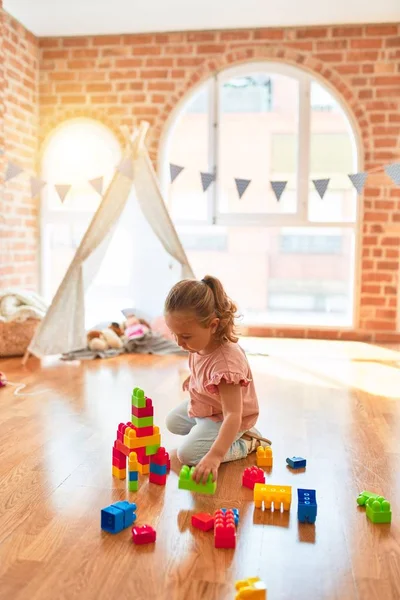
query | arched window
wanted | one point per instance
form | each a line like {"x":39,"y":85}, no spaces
{"x":286,"y":261}
{"x":76,"y":152}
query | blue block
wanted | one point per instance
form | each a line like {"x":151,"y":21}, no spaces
{"x":296,"y":462}
{"x":307,"y":506}
{"x":235,"y":514}
{"x":158,"y":469}
{"x":118,"y":516}
{"x":133,"y":475}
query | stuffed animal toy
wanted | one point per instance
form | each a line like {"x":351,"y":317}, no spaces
{"x":105,"y":339}
{"x":135,"y":328}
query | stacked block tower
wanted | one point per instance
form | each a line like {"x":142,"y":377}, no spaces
{"x":137,"y":437}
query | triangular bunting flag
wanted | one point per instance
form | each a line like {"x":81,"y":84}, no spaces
{"x":320,"y":186}
{"x":12,"y":171}
{"x":175,"y":170}
{"x":242,"y":185}
{"x":97,"y":184}
{"x":278,"y":187}
{"x":62,"y":190}
{"x":206,"y":180}
{"x":126,"y":167}
{"x":37,"y":185}
{"x":393,"y":171}
{"x":358,"y":180}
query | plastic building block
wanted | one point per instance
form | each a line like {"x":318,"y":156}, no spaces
{"x":251,"y":589}
{"x":203,"y":521}
{"x":143,"y":535}
{"x":378,"y":510}
{"x":138,"y":398}
{"x":150,"y":450}
{"x":118,"y":516}
{"x":147,"y":411}
{"x":158,"y":479}
{"x":158,"y":469}
{"x":133,"y":476}
{"x":186,"y":482}
{"x":364,"y":496}
{"x":132,"y":440}
{"x":133,"y":486}
{"x":276,"y":494}
{"x":224,"y":529}
{"x":296,"y":462}
{"x":161,"y":457}
{"x":119,"y":473}
{"x":264,"y":456}
{"x":251,"y":476}
{"x":307,"y":506}
{"x":235,"y":512}
{"x":143,"y":431}
{"x":142,"y":421}
{"x":142,"y":456}
{"x":144,"y":469}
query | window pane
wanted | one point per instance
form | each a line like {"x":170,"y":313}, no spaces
{"x":258,"y":137}
{"x":333,"y":156}
{"x":283,"y":276}
{"x":189,"y":147}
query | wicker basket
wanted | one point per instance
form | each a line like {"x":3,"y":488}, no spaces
{"x":15,"y":337}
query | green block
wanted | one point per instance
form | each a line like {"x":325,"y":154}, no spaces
{"x":150,"y":450}
{"x":364,"y":496}
{"x":378,"y":510}
{"x":133,"y":486}
{"x":186,"y":482}
{"x":142,"y":421}
{"x":138,"y":398}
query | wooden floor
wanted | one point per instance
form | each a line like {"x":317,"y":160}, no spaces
{"x":334,"y":403}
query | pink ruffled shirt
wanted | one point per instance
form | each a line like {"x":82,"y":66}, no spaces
{"x":227,"y":363}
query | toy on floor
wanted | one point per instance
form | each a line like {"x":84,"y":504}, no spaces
{"x":105,"y":339}
{"x":251,"y":476}
{"x":296,"y":462}
{"x":224,"y":529}
{"x":203,"y":521}
{"x":364,"y":496}
{"x":143,"y":535}
{"x":133,"y":473}
{"x":235,"y":512}
{"x":251,"y":589}
{"x":159,"y":467}
{"x":378,"y":510}
{"x":264,"y":456}
{"x":186,"y":482}
{"x":118,"y":516}
{"x":268,"y":494}
{"x":307,"y":506}
{"x":142,"y":437}
{"x":3,"y":380}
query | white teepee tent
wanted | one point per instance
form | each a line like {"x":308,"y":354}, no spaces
{"x":63,"y":328}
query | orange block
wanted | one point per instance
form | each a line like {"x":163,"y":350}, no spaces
{"x":143,"y":469}
{"x":119,"y":473}
{"x":132,"y":441}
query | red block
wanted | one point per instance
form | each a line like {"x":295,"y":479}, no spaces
{"x":203,"y":521}
{"x":121,"y":431}
{"x":161,"y":457}
{"x":148,"y":411}
{"x":251,"y":476}
{"x":142,"y":457}
{"x":158,"y":479}
{"x":118,"y":459}
{"x":224,"y":529}
{"x":126,"y":451}
{"x":143,"y":535}
{"x":143,"y":431}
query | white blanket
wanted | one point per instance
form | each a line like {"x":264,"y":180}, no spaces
{"x":20,"y":305}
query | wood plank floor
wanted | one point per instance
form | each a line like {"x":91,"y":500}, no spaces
{"x":337,"y":404}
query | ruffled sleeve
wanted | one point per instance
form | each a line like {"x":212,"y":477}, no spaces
{"x":212,"y":383}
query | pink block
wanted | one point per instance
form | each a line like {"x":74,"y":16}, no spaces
{"x":143,"y":535}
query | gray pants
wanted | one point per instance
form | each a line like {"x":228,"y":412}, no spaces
{"x":200,"y":436}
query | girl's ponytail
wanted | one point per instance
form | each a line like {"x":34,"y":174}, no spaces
{"x":225,"y":309}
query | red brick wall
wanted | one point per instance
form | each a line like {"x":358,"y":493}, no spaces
{"x":19,"y":101}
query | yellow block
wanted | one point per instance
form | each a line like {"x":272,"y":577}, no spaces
{"x":252,"y":588}
{"x":143,"y":469}
{"x":119,"y":473}
{"x":132,"y":462}
{"x":278,"y":494}
{"x":264,"y":456}
{"x":132,"y":441}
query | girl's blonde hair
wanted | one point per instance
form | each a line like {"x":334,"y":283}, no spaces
{"x":207,"y":299}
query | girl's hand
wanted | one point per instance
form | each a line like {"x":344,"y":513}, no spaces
{"x":185,"y":384}
{"x":208,"y":464}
